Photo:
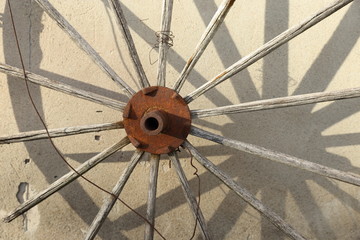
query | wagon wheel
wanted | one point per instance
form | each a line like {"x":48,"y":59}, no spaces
{"x":157,"y":119}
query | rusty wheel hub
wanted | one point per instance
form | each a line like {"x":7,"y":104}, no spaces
{"x":157,"y":120}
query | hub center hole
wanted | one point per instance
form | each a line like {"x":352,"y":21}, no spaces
{"x":151,"y":124}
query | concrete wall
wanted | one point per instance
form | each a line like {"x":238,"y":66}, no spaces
{"x":324,"y":58}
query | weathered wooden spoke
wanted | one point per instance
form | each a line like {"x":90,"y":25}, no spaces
{"x":84,"y":45}
{"x":164,"y":38}
{"x":111,"y":200}
{"x":189,"y":196}
{"x":279,"y":157}
{"x":245,"y":194}
{"x":205,"y":39}
{"x":280,"y":102}
{"x":148,"y":118}
{"x":115,"y":5}
{"x":151,"y":202}
{"x":65,"y":180}
{"x":61,"y":87}
{"x":59,"y":132}
{"x":268,"y":48}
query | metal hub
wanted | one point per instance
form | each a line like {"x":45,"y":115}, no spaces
{"x":157,"y":120}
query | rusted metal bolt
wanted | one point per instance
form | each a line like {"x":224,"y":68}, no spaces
{"x":154,"y":122}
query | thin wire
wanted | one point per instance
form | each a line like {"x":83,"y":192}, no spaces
{"x":199,"y":190}
{"x":48,"y":134}
{"x":166,"y":37}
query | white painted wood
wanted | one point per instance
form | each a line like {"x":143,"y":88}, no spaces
{"x":279,"y":157}
{"x":84,"y":45}
{"x":189,"y":196}
{"x":205,"y":39}
{"x":111,"y":200}
{"x":268,"y":48}
{"x":65,"y":180}
{"x":59,"y":132}
{"x":280,"y":102}
{"x":163,"y":35}
{"x":61,"y":87}
{"x":245,"y":194}
{"x":116,"y":7}
{"x":151,"y":202}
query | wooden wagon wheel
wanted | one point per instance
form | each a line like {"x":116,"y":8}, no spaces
{"x":157,"y":119}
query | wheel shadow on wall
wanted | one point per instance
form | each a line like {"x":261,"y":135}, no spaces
{"x":274,"y":181}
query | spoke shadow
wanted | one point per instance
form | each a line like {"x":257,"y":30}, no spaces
{"x":272,"y":181}
{"x":28,"y":22}
{"x":252,"y":126}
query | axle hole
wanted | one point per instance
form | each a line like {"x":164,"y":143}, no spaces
{"x":151,"y":124}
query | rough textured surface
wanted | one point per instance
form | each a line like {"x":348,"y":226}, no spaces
{"x":157,"y":120}
{"x":324,"y":58}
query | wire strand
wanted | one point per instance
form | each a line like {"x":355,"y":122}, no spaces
{"x":48,"y":134}
{"x":199,"y":190}
{"x":166,"y":37}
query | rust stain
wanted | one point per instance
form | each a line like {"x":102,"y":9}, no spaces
{"x":157,"y":120}
{"x":220,"y":75}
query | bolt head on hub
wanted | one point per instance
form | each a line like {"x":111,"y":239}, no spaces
{"x":157,"y":120}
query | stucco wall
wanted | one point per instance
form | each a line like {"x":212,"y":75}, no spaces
{"x":324,"y":58}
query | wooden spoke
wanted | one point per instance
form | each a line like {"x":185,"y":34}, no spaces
{"x":150,"y":211}
{"x":164,"y":36}
{"x":65,"y":180}
{"x":59,"y":132}
{"x":110,"y":201}
{"x":189,"y":196}
{"x":205,"y":39}
{"x":115,"y":5}
{"x":279,"y":157}
{"x":280,"y":102}
{"x":61,"y":87}
{"x":245,"y":194}
{"x":84,"y":45}
{"x":268,"y":48}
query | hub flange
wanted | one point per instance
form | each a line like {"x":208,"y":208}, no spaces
{"x":157,"y":120}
